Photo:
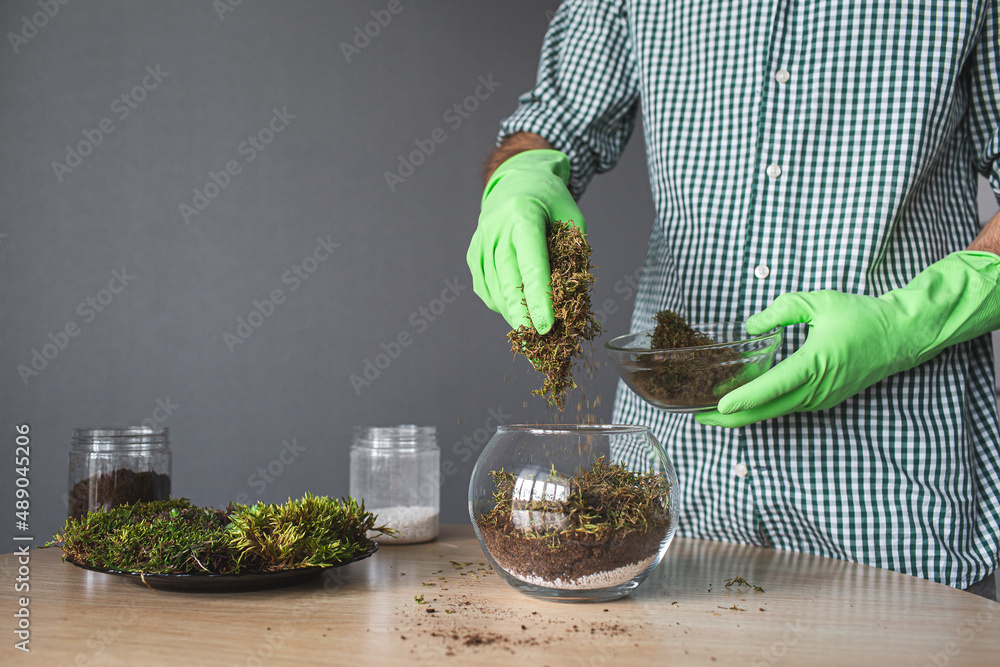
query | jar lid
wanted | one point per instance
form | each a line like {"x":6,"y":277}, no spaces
{"x":405,"y":436}
{"x":120,"y":437}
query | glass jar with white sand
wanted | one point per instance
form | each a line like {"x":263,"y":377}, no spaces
{"x":395,"y":470}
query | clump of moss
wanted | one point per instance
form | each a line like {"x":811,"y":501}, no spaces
{"x":610,"y":517}
{"x":176,"y":537}
{"x":604,"y":500}
{"x":696,"y":377}
{"x":572,"y":281}
{"x":673,"y":331}
{"x":300,"y":533}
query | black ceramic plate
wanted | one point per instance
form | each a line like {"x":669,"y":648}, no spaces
{"x":247,"y":581}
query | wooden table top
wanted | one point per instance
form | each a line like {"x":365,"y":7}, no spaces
{"x":812,"y":610}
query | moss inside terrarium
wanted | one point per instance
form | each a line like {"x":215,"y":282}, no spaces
{"x":611,"y":517}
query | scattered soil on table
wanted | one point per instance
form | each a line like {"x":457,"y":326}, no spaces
{"x":461,"y":618}
{"x":692,"y":377}
{"x":118,"y":487}
{"x":473,"y":638}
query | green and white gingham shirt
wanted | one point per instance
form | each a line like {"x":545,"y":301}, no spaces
{"x":804,"y":145}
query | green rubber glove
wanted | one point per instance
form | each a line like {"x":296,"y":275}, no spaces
{"x":508,"y":249}
{"x":855,"y":341}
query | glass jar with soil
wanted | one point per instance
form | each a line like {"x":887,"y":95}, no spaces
{"x":109,"y":467}
{"x":395,"y":471}
{"x":574,"y":513}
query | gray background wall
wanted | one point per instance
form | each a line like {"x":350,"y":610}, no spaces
{"x":160,"y":341}
{"x":161,"y":338}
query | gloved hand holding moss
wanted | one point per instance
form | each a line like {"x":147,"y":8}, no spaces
{"x":508,"y":249}
{"x":855,"y":341}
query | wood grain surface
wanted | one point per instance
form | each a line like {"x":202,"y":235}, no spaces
{"x":812,"y":611}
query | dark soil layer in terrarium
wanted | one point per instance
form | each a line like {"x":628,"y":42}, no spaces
{"x":695,"y":377}
{"x":574,"y":557}
{"x":118,"y":487}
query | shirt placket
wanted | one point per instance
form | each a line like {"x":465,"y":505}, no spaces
{"x":762,"y":266}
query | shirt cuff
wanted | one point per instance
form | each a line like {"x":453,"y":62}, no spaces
{"x":534,"y":117}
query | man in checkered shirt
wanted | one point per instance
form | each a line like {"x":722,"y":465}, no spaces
{"x":814,"y":165}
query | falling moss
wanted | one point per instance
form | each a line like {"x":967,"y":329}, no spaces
{"x":572,"y":282}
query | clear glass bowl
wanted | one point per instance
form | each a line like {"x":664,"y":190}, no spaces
{"x":693,"y":379}
{"x":574,"y":513}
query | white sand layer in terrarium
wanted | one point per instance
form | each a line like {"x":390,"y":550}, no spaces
{"x":605,"y":579}
{"x":413,"y":524}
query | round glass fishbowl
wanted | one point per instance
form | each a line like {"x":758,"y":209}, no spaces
{"x":574,"y":513}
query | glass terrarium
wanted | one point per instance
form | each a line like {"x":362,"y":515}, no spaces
{"x":574,"y":513}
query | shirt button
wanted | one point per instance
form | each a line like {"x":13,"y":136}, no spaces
{"x":762,"y":271}
{"x":782,"y":76}
{"x":741,"y":470}
{"x":773,"y":171}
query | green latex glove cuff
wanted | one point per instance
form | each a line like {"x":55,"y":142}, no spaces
{"x":855,"y":341}
{"x":952,"y":301}
{"x":508,"y":249}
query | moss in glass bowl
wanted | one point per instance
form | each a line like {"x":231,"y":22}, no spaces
{"x":688,"y":368}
